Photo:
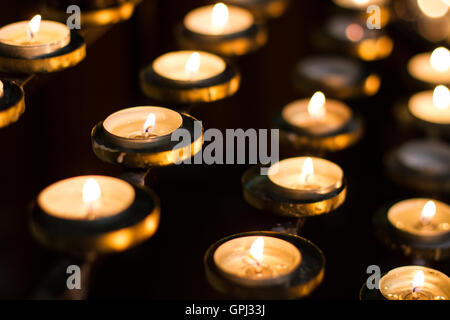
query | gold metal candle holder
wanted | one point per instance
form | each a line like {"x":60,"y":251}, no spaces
{"x":421,"y":165}
{"x":263,"y":8}
{"x":336,"y":76}
{"x":212,"y":89}
{"x":131,"y":227}
{"x":436,"y":249}
{"x":300,"y":283}
{"x":61,"y":59}
{"x":161,"y":153}
{"x":262,"y":194}
{"x":12,"y":103}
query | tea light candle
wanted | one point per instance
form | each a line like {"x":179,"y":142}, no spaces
{"x":140,"y":127}
{"x":86,"y":198}
{"x":305,"y":177}
{"x":34,"y":38}
{"x":421,"y":218}
{"x":360,"y":4}
{"x":256,"y":261}
{"x":318,"y":115}
{"x":218,"y":20}
{"x":431,"y":67}
{"x":415,"y":283}
{"x":431,"y":106}
{"x":189,"y":66}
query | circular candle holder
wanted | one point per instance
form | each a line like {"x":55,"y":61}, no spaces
{"x":111,"y":234}
{"x":12,"y":103}
{"x":336,"y":76}
{"x":263,"y":8}
{"x":360,"y":9}
{"x":232,"y":45}
{"x":161,"y":152}
{"x":263,"y":194}
{"x":428,"y":248}
{"x":299,"y":283}
{"x":212,"y":89}
{"x":299,"y":139}
{"x":421,"y":165}
{"x":95,"y":13}
{"x":66,"y":57}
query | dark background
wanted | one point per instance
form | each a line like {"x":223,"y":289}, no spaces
{"x":200,"y":204}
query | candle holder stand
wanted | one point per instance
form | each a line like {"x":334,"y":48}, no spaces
{"x":66,"y":57}
{"x":163,"y":153}
{"x":434,"y":249}
{"x":12,"y":103}
{"x":263,"y":9}
{"x":421,"y":165}
{"x":233,"y":45}
{"x":298,"y":284}
{"x":160,"y":88}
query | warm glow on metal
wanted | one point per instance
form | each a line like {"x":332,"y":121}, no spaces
{"x":316,"y":106}
{"x":257,"y":250}
{"x":150,"y":122}
{"x":220,"y":15}
{"x":433,"y":8}
{"x":428,"y":212}
{"x":307,"y":170}
{"x":418,"y":281}
{"x":193,"y":63}
{"x":33,"y":26}
{"x":441,"y":97}
{"x":440,"y":59}
{"x":91,"y":191}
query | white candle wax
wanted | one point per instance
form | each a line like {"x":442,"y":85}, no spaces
{"x":189,"y":65}
{"x":276,"y":259}
{"x":80,"y":199}
{"x":421,"y":217}
{"x":434,"y":70}
{"x":431,"y":106}
{"x":218,"y":20}
{"x":18,"y":40}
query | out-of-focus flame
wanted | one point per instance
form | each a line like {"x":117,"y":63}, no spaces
{"x":307,"y":170}
{"x":91,"y":191}
{"x":1,"y":88}
{"x":150,"y":122}
{"x":428,"y":212}
{"x":354,"y":32}
{"x":316,"y":106}
{"x":433,"y":8}
{"x":418,"y":281}
{"x":441,"y":97}
{"x":257,"y":250}
{"x":220,"y":15}
{"x":193,"y":64}
{"x":440,"y":59}
{"x":33,"y":26}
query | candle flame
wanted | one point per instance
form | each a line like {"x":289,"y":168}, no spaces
{"x":433,"y":8}
{"x":428,"y":212}
{"x":1,"y":88}
{"x":440,"y":59}
{"x":361,"y":1}
{"x":316,"y":106}
{"x":33,"y":26}
{"x":91,"y":191}
{"x":257,"y":250}
{"x":149,"y":123}
{"x":418,"y":281}
{"x":220,"y":15}
{"x":441,"y":97}
{"x":354,"y":32}
{"x":193,"y":64}
{"x":307,"y":170}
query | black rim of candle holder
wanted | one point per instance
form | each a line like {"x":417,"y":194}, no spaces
{"x":92,"y":15}
{"x":262,"y":194}
{"x":298,"y":284}
{"x":129,"y":228}
{"x":161,"y":153}
{"x":12,"y":104}
{"x":232,"y":45}
{"x":414,"y":179}
{"x":264,"y":9}
{"x":64,"y":58}
{"x":212,"y":89}
{"x":366,"y":294}
{"x":437,"y":249}
{"x":300,"y":140}
{"x":365,"y":85}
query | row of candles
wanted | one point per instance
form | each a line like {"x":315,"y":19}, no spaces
{"x":265,"y":259}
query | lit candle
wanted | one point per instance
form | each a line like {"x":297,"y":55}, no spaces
{"x":318,"y":115}
{"x":189,"y":66}
{"x":141,"y":127}
{"x":422,"y":218}
{"x":254,"y":260}
{"x":431,"y":106}
{"x":360,"y":4}
{"x":305,"y":177}
{"x":218,"y":20}
{"x":86,"y":198}
{"x":34,"y":38}
{"x":415,"y":283}
{"x":433,"y":8}
{"x":1,"y":89}
{"x":431,"y":67}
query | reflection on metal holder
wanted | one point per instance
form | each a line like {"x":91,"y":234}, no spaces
{"x":265,"y":9}
{"x":300,"y":283}
{"x":262,"y":194}
{"x":12,"y":103}
{"x":113,"y":234}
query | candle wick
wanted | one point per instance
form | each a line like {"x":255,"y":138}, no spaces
{"x":90,"y":212}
